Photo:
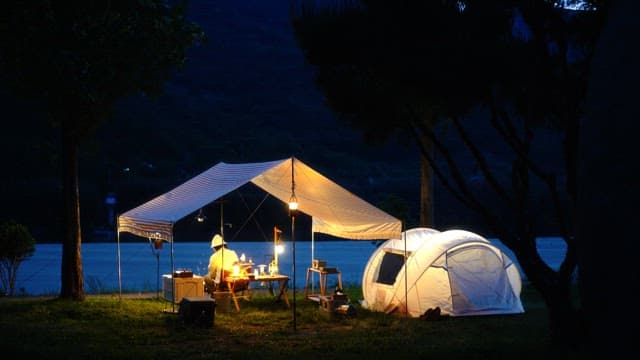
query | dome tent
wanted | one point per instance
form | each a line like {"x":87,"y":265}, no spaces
{"x":458,"y":271}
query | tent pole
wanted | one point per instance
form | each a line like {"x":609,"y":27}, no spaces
{"x":293,"y":210}
{"x":119,"y":269}
{"x":173,"y":280}
{"x":313,"y":252}
{"x":293,"y":241}
{"x":406,"y":277}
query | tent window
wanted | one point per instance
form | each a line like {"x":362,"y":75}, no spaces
{"x":389,"y":268}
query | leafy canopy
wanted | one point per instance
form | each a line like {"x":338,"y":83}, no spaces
{"x":84,"y":56}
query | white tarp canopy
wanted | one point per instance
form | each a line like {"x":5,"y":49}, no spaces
{"x":334,"y":210}
{"x":458,"y":271}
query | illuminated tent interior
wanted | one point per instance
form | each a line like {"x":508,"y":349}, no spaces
{"x":458,"y":271}
{"x":334,"y":210}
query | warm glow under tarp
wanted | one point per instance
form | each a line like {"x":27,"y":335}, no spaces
{"x":334,"y":210}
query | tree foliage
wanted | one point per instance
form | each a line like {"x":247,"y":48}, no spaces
{"x":422,"y":67}
{"x":80,"y":58}
{"x":16,"y":245}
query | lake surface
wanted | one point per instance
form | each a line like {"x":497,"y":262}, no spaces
{"x":141,"y":266}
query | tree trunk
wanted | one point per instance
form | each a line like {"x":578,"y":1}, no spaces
{"x":566,"y":330}
{"x":72,"y":283}
{"x":608,"y":191}
{"x":554,"y":287}
{"x":12,"y":274}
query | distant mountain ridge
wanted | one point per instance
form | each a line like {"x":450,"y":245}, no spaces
{"x":246,"y":95}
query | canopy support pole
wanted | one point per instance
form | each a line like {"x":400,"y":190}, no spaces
{"x":293,"y":210}
{"x":119,"y":268}
{"x":313,"y":256}
{"x":406,"y":276}
{"x":293,"y":241}
{"x":173,"y":281}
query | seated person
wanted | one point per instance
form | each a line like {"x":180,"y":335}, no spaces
{"x":220,"y":263}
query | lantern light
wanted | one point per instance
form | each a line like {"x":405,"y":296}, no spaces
{"x":201,"y":217}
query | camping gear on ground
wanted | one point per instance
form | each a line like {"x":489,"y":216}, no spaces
{"x":457,"y":271}
{"x":198,"y":311}
{"x":335,"y":304}
{"x":223,"y":301}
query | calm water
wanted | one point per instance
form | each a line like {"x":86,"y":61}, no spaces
{"x":142,"y":266}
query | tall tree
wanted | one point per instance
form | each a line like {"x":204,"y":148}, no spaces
{"x":608,"y":188}
{"x":370,"y":67}
{"x":410,"y":65}
{"x":80,"y":58}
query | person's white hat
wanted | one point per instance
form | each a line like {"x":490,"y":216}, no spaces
{"x":217,"y":241}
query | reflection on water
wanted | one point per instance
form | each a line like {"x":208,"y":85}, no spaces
{"x":142,"y":266}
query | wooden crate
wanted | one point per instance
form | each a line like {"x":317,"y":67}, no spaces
{"x":329,"y":303}
{"x":193,"y":286}
{"x":317,"y":264}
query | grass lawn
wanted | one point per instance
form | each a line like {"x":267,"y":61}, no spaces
{"x":147,"y":328}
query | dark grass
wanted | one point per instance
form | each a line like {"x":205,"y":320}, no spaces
{"x":110,"y":327}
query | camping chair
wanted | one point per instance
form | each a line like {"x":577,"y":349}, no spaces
{"x":211,"y":285}
{"x":238,"y":288}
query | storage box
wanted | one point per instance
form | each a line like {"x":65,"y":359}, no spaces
{"x":327,"y":304}
{"x":340,"y":298}
{"x":319,"y":263}
{"x":197,"y":311}
{"x":331,"y":303}
{"x":223,"y":301}
{"x":329,"y":270}
{"x":346,"y":310}
{"x":192,"y":286}
{"x":183,"y":274}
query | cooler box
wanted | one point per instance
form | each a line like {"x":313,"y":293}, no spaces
{"x":185,"y":286}
{"x":197,"y":311}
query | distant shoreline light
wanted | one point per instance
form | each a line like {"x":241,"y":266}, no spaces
{"x":574,"y":5}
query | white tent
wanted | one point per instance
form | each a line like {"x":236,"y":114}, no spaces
{"x":458,"y":271}
{"x":334,"y":210}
